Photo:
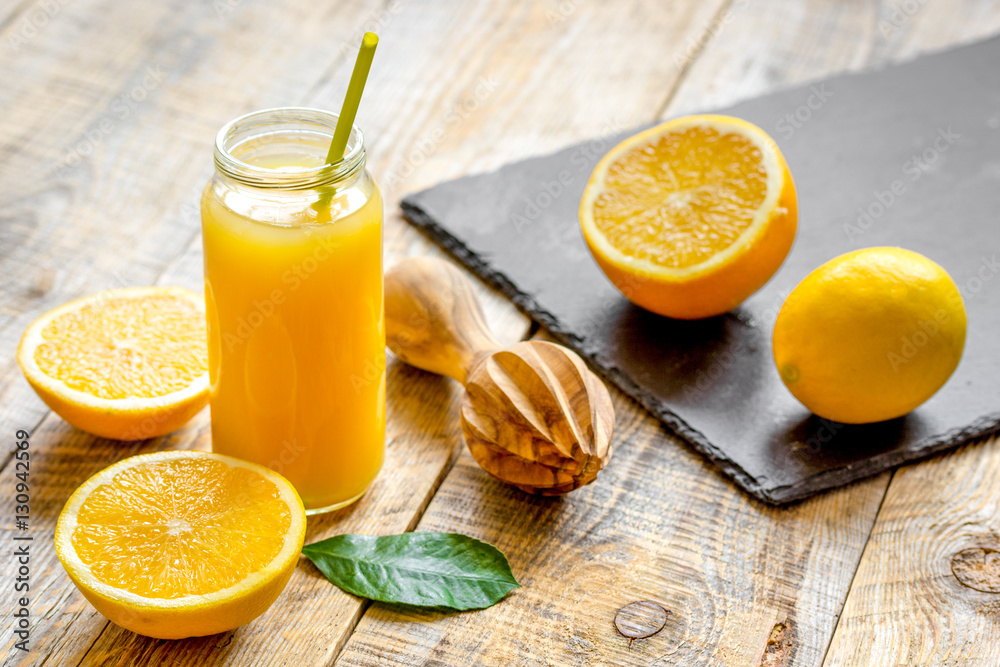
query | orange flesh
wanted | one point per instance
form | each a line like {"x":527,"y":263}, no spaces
{"x":134,"y":535}
{"x":120,"y":347}
{"x":685,"y":197}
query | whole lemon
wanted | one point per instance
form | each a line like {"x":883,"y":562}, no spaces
{"x":870,"y":335}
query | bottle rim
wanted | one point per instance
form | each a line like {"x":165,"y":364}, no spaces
{"x":280,"y":122}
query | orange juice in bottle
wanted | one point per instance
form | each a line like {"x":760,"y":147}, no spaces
{"x":293,"y":285}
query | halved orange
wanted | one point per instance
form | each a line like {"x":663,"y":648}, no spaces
{"x":181,"y":544}
{"x":691,"y":217}
{"x":127,"y":364}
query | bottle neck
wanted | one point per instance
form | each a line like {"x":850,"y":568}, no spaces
{"x":285,"y":149}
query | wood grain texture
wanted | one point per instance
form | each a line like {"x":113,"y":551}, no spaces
{"x":534,"y":76}
{"x":756,"y":47}
{"x":732,"y":610}
{"x":533,"y":414}
{"x":660,"y":524}
{"x":906,"y":606}
{"x":109,"y":118}
{"x":312,"y":617}
{"x":433,"y":320}
{"x":108,"y":114}
{"x":228,"y":69}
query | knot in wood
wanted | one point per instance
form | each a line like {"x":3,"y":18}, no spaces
{"x":638,"y":620}
{"x":535,"y":416}
{"x":978,"y":568}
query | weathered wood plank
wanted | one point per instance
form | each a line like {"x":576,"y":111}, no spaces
{"x":554,"y":73}
{"x":63,"y":624}
{"x":314,"y":640}
{"x":884,"y":612}
{"x":542,"y":75}
{"x":658,"y":524}
{"x":423,"y":432}
{"x":906,"y":605}
{"x":319,"y":631}
{"x":747,"y":584}
{"x":312,"y":618}
{"x":109,"y":117}
{"x":25,"y":18}
{"x":887,"y":607}
{"x":759,"y":47}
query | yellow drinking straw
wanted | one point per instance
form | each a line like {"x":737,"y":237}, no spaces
{"x":353,"y":98}
{"x":345,"y":121}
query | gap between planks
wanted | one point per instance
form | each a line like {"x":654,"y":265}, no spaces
{"x":5,"y":461}
{"x":709,"y":27}
{"x":535,"y":330}
{"x":530,"y":332}
{"x":176,"y":259}
{"x":857,"y":563}
{"x":97,"y":638}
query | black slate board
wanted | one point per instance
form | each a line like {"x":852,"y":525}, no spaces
{"x":930,"y":127}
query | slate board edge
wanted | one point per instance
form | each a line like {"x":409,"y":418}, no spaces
{"x":773,"y":495}
{"x":978,"y":431}
{"x":527,"y":305}
{"x":982,"y":427}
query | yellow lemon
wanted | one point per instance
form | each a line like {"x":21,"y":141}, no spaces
{"x":181,"y":544}
{"x":870,"y":335}
{"x":691,"y":217}
{"x":127,"y":364}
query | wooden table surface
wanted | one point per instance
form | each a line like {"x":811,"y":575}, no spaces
{"x":108,"y":111}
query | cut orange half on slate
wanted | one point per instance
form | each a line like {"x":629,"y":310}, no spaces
{"x":691,"y":217}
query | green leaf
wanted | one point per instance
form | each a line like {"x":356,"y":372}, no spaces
{"x":422,"y":569}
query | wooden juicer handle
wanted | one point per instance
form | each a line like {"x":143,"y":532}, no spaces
{"x":533,"y":414}
{"x":433,"y":318}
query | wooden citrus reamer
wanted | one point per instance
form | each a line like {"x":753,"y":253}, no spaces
{"x":533,"y":414}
